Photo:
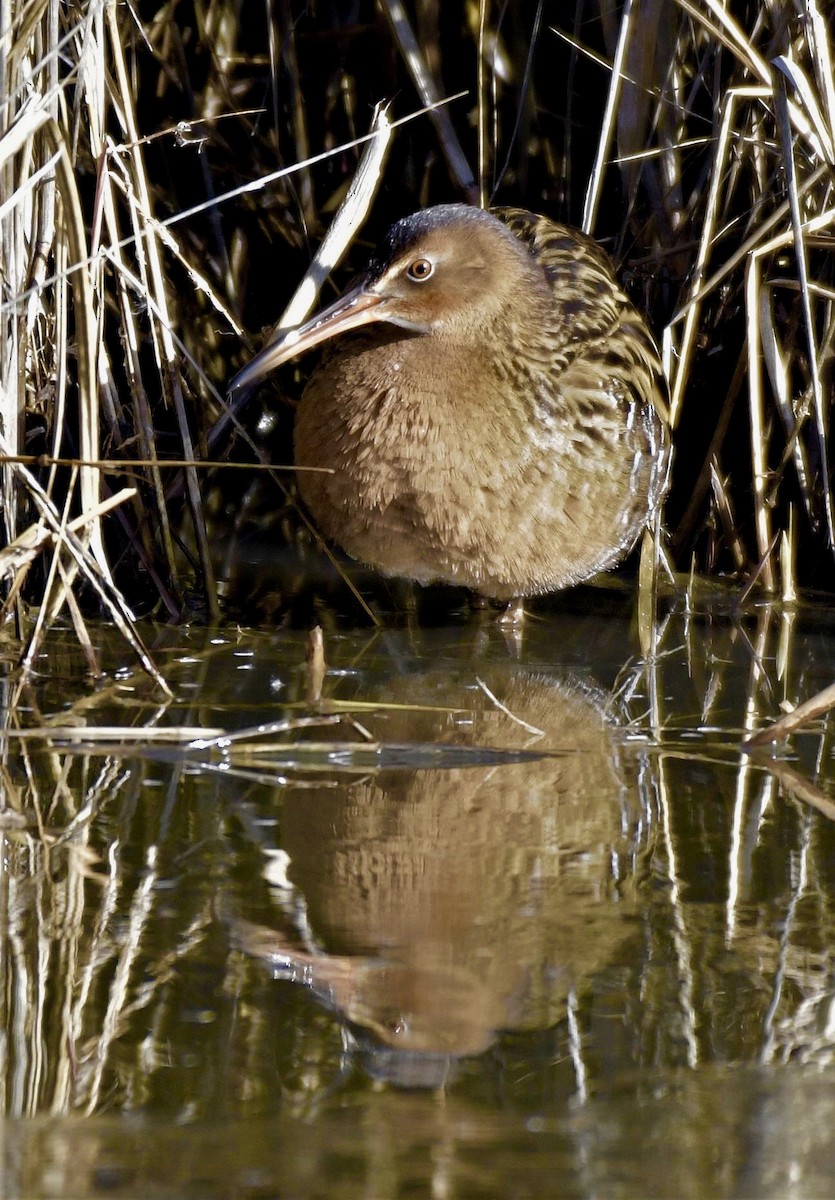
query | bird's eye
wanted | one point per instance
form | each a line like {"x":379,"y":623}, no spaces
{"x":420,"y":270}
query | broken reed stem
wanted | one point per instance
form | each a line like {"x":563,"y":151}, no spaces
{"x":615,"y":82}
{"x":342,"y":230}
{"x":692,"y":310}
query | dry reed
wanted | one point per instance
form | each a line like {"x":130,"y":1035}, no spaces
{"x":164,"y":187}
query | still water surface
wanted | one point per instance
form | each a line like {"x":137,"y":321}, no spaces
{"x":526,"y":922}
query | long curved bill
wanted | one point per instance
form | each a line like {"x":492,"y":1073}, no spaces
{"x":356,"y":308}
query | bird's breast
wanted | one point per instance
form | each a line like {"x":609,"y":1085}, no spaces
{"x":406,"y":407}
{"x":508,"y":477}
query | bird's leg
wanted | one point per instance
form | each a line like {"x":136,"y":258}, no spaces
{"x":508,"y":615}
{"x":513,"y":616}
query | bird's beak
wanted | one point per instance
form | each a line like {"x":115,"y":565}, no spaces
{"x":358,"y":307}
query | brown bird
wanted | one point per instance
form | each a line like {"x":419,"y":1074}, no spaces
{"x":491,"y":406}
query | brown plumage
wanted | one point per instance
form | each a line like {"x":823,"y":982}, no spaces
{"x":493,"y":409}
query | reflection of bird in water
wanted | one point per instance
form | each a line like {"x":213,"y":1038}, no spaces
{"x":493,"y":409}
{"x":449,"y":904}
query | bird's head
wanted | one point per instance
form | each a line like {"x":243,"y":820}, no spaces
{"x":446,"y":271}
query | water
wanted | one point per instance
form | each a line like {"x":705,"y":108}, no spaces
{"x":526,"y":921}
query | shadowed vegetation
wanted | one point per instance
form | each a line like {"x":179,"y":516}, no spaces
{"x":134,"y":284}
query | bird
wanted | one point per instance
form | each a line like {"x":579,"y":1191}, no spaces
{"x":490,"y":409}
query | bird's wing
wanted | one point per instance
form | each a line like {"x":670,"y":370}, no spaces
{"x":597,"y":327}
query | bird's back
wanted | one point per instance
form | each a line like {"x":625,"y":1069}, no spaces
{"x":599,"y":329}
